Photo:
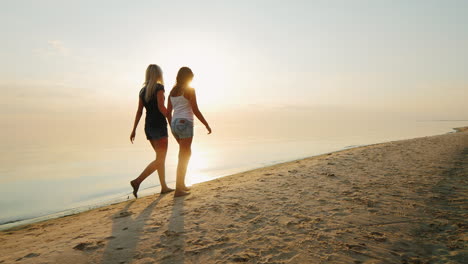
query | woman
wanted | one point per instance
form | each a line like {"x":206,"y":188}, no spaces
{"x":152,"y":98}
{"x":183,"y":101}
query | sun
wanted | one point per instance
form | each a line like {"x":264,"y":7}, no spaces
{"x":206,"y":57}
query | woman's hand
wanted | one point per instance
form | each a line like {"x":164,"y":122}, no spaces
{"x":209,"y":129}
{"x":132,"y":136}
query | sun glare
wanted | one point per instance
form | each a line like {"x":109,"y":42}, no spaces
{"x":209,"y":61}
{"x":196,"y":166}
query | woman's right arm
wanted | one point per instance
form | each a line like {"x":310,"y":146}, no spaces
{"x":137,"y":119}
{"x":196,"y":111}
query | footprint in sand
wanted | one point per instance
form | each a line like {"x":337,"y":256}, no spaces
{"x":153,"y":229}
{"x":409,"y":258}
{"x":169,"y":233}
{"x":377,"y":236}
{"x":30,"y":255}
{"x":89,"y":246}
{"x":80,"y":236}
{"x":123,"y":214}
{"x":222,"y":239}
{"x":361,"y":246}
{"x":246,"y":257}
{"x":322,"y":201}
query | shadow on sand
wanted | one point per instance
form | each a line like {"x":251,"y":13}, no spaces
{"x":175,"y":235}
{"x":126,"y":232}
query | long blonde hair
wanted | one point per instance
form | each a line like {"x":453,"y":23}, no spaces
{"x":184,"y":76}
{"x":154,"y":77}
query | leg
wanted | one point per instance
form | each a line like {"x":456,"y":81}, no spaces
{"x":185,"y":151}
{"x":160,"y":147}
{"x":184,"y":188}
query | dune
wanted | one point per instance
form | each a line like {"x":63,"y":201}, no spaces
{"x":396,"y":202}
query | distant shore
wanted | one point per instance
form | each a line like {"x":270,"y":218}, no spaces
{"x":395,"y":202}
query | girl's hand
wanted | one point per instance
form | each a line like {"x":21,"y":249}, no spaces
{"x":209,"y":129}
{"x":132,"y":136}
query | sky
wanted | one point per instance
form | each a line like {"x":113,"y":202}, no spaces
{"x":71,"y":60}
{"x":276,"y":79}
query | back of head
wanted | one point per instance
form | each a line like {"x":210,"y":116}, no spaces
{"x":152,"y":79}
{"x":183,"y":79}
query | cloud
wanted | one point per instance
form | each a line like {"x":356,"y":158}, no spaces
{"x":57,"y":46}
{"x":52,"y":48}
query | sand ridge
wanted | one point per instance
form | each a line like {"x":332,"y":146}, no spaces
{"x":396,"y":202}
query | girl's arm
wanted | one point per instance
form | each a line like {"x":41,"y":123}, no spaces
{"x":161,"y":106}
{"x":169,"y":111}
{"x":196,"y":111}
{"x":137,"y":119}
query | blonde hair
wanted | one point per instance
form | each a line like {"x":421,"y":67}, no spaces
{"x":154,"y":77}
{"x":184,"y":76}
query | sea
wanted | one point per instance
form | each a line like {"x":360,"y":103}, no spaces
{"x":66,"y":167}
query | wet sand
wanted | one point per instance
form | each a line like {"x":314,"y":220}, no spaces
{"x":398,"y":202}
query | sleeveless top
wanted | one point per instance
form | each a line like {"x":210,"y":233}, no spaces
{"x":182,"y":107}
{"x":153,"y":117}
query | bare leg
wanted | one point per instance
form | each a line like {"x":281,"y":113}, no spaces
{"x":185,"y":152}
{"x":184,"y":187}
{"x":160,"y":147}
{"x":161,"y":154}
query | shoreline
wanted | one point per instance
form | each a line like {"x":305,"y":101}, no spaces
{"x":18,"y":224}
{"x":399,"y":202}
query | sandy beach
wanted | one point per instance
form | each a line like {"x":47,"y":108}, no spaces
{"x":396,"y":202}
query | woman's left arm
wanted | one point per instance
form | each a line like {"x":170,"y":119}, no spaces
{"x":161,"y":106}
{"x":196,"y":110}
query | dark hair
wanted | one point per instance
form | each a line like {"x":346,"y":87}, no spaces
{"x":184,"y":76}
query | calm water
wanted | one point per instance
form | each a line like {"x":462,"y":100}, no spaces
{"x":63,"y":172}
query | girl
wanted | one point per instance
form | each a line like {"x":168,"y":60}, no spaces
{"x":152,"y":98}
{"x":183,"y":101}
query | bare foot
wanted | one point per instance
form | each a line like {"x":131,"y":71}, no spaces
{"x":166,"y":190}
{"x":185,"y":188}
{"x":179,"y":193}
{"x":135,"y":187}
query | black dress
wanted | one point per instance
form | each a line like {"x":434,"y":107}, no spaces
{"x":155,"y":121}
